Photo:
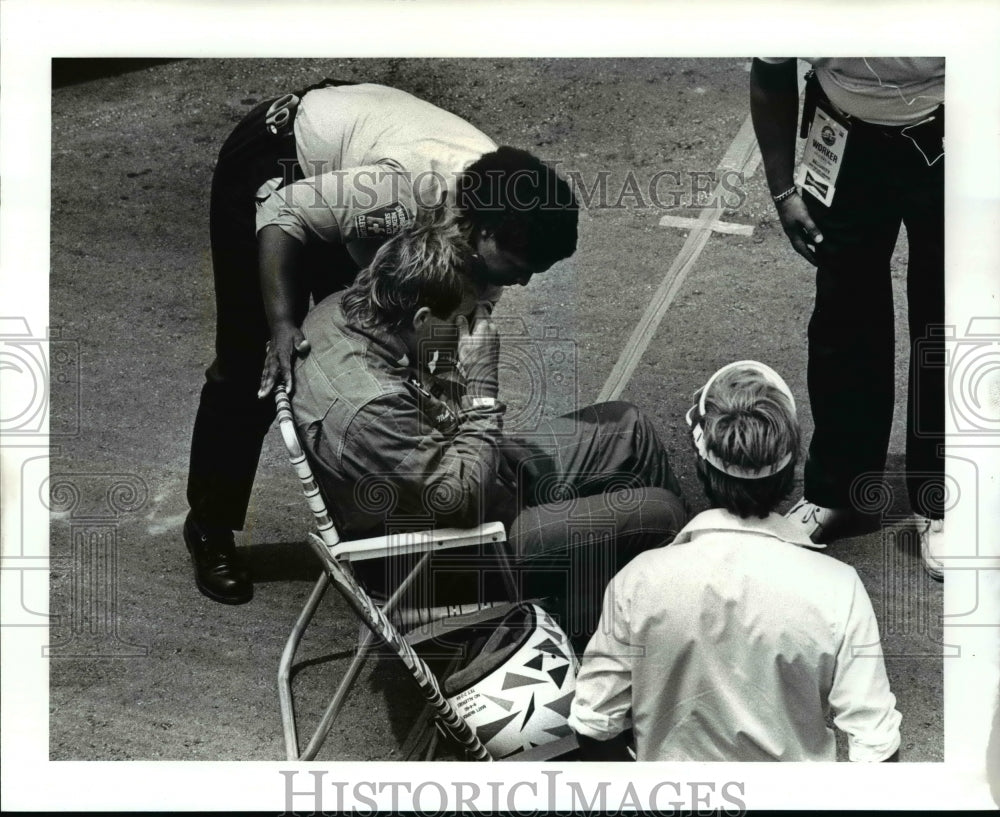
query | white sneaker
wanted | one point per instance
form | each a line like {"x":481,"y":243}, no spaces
{"x":823,"y":525}
{"x":931,"y":533}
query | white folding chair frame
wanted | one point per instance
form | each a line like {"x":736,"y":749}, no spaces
{"x":335,"y":556}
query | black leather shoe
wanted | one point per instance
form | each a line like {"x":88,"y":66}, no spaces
{"x":217,"y":569}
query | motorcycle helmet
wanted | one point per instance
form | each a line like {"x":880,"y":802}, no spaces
{"x":516,"y":690}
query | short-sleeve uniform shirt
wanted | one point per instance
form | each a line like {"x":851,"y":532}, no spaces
{"x":371,"y":155}
{"x":882,"y":90}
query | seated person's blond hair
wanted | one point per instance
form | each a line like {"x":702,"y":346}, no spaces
{"x":424,"y":265}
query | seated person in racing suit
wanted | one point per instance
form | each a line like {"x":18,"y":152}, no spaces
{"x":394,"y":444}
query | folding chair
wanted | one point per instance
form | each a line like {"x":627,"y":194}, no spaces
{"x":336,"y":557}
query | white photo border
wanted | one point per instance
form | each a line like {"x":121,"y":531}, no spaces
{"x":966,"y":32}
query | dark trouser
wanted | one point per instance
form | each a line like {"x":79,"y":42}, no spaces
{"x":595,"y":489}
{"x":601,"y":491}
{"x":884,"y":181}
{"x":231,"y":422}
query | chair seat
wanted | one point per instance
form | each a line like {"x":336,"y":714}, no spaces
{"x":444,"y":621}
{"x":402,"y":544}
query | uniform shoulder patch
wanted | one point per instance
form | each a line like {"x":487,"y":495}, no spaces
{"x":383,"y":222}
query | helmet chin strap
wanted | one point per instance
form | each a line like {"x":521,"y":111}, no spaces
{"x":698,"y":433}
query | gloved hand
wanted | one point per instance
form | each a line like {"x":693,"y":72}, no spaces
{"x":479,"y":354}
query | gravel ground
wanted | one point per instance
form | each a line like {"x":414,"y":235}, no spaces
{"x":153,"y":670}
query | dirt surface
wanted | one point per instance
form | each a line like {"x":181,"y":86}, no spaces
{"x":145,"y":667}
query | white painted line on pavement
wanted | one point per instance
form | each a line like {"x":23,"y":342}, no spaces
{"x":743,"y":157}
{"x":727,"y":227}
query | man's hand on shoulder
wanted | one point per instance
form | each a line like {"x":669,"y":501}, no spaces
{"x":286,"y":342}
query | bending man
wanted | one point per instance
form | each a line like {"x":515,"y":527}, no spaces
{"x":310,"y":185}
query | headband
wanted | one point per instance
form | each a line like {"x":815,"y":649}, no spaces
{"x":698,"y":433}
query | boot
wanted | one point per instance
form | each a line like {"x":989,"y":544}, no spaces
{"x":218,"y":571}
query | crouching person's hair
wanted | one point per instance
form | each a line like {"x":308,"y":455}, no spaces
{"x":750,"y":440}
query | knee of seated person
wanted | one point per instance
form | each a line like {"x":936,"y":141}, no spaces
{"x":653,"y":511}
{"x":644,"y":519}
{"x":621,"y":412}
{"x":628,"y":520}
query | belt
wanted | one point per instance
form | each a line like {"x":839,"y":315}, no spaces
{"x":815,"y":93}
{"x":933,"y":120}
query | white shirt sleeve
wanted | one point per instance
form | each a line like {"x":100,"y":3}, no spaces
{"x":603,"y":699}
{"x":863,"y":707}
{"x":339,"y":206}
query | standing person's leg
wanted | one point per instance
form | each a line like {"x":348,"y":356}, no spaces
{"x":923,"y":216}
{"x":924,"y":219}
{"x":231,"y":421}
{"x":851,"y":363}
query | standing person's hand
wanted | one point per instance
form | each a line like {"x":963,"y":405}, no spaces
{"x":799,"y":227}
{"x":479,"y":353}
{"x":286,"y":342}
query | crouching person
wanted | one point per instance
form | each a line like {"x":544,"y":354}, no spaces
{"x":736,"y":641}
{"x":398,"y":407}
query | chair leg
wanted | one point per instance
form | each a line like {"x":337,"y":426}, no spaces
{"x":512,"y":584}
{"x":432,"y":748}
{"x":425,"y":729}
{"x":404,"y":585}
{"x":334,"y":707}
{"x":336,"y":703}
{"x":285,"y":665}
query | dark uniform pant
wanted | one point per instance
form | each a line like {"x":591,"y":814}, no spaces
{"x":231,"y":421}
{"x":890,"y":176}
